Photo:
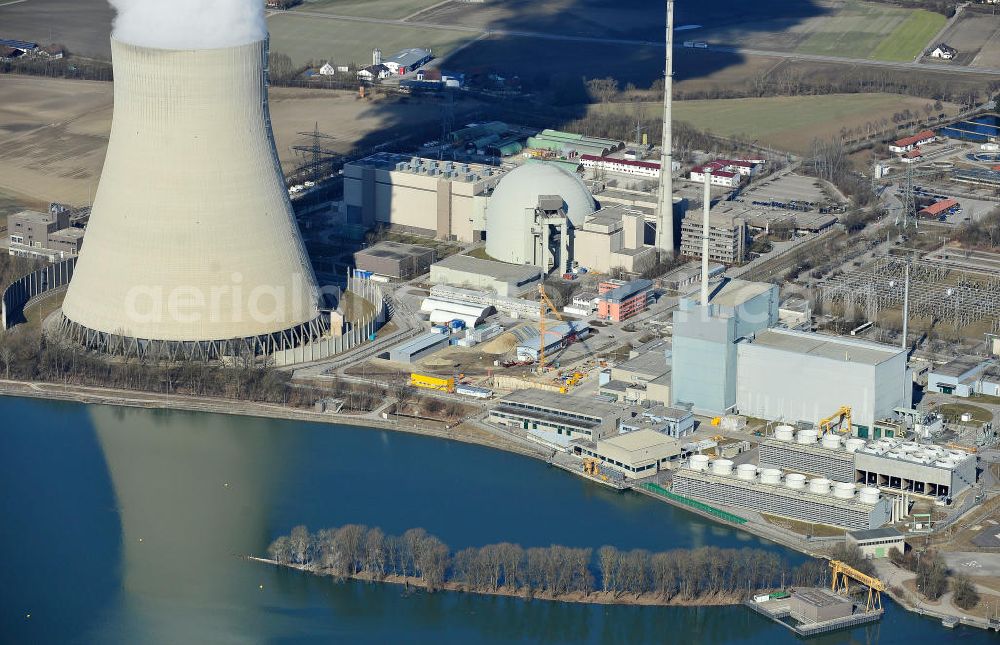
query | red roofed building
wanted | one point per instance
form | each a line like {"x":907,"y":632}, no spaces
{"x":624,"y":166}
{"x":909,"y":143}
{"x":937,"y":208}
{"x":913,"y":156}
{"x":725,"y":172}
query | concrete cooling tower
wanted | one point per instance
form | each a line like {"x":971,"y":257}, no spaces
{"x":192,"y":242}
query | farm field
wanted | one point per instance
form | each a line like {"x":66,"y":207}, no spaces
{"x":910,"y":38}
{"x":976,"y":36}
{"x":83,"y":26}
{"x":306,"y":38}
{"x":849,"y":28}
{"x":54,"y":132}
{"x":785,"y":122}
{"x":393,"y":9}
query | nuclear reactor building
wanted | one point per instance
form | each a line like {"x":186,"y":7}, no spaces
{"x":192,"y":244}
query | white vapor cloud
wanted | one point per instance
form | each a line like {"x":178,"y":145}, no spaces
{"x":189,"y":24}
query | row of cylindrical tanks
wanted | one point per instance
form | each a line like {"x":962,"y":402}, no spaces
{"x":891,"y":448}
{"x":793,"y":481}
{"x":811,"y":436}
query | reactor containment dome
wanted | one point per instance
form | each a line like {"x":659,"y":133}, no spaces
{"x":192,"y":244}
{"x":513,"y":220}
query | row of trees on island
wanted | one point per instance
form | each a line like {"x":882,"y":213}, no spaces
{"x":357,"y":551}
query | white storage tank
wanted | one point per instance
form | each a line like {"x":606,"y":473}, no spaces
{"x":722,"y":467}
{"x":844,"y":490}
{"x":819,"y":485}
{"x":770,"y":476}
{"x":699,"y":462}
{"x":807,"y":436}
{"x":795,"y":480}
{"x":746,"y":472}
{"x":854,"y":445}
{"x":831,"y":441}
{"x":784,"y":433}
{"x":869,"y":495}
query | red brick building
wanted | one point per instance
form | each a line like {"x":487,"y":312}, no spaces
{"x":622,"y":302}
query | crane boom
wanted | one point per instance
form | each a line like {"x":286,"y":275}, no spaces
{"x":841,"y":573}
{"x":543,"y":300}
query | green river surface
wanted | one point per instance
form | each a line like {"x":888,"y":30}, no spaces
{"x":124,"y":526}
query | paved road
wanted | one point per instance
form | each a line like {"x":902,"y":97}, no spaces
{"x":746,"y":51}
{"x":972,"y":563}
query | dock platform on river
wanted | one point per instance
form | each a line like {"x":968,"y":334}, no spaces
{"x":787,"y":611}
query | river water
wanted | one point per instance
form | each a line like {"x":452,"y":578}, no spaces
{"x":124,"y":526}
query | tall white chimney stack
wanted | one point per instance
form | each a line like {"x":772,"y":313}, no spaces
{"x":706,"y":229}
{"x":665,"y":201}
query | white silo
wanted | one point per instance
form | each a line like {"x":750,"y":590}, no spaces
{"x":746,"y":472}
{"x":844,"y":490}
{"x":831,"y":441}
{"x":699,"y":462}
{"x":784,"y":433}
{"x":192,"y":241}
{"x":806,"y":436}
{"x":722,"y":467}
{"x":795,"y":481}
{"x":819,"y":485}
{"x":770,"y":476}
{"x":869,"y":495}
{"x":376,"y":56}
{"x":853,"y":445}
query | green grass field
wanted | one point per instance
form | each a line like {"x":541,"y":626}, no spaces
{"x":306,"y":38}
{"x":911,"y":37}
{"x":868,"y":30}
{"x":784,"y":122}
{"x":368,"y":8}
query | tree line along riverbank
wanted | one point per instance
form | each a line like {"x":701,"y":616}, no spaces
{"x":700,"y":576}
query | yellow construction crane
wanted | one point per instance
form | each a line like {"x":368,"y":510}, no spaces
{"x":543,"y":300}
{"x":836,"y":420}
{"x":839,"y":581}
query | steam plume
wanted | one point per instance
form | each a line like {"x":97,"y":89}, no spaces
{"x":189,"y":24}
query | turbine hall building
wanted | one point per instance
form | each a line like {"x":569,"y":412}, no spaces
{"x":192,"y":247}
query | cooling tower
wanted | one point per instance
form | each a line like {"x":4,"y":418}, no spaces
{"x":192,"y":236}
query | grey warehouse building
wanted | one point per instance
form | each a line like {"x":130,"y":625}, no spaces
{"x":509,"y":280}
{"x":413,"y":350}
{"x":550,"y":412}
{"x":395,"y":259}
{"x":802,"y":376}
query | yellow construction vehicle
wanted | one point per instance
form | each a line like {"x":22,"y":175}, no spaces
{"x":836,"y":421}
{"x":840,"y":575}
{"x":543,"y":300}
{"x":716,"y":421}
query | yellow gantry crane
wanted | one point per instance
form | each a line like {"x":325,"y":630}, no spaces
{"x":836,"y":420}
{"x":543,"y":300}
{"x":841,"y":574}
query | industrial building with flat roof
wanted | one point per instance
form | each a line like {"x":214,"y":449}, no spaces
{"x":413,"y":350}
{"x":395,"y":259}
{"x":513,"y":307}
{"x":786,"y":374}
{"x":890,"y":464}
{"x":45,"y":235}
{"x":509,"y":280}
{"x":621,"y":303}
{"x":551,"y":412}
{"x":442,"y":199}
{"x":799,"y":503}
{"x":613,"y":237}
{"x":704,"y":342}
{"x":727,"y":238}
{"x":876,"y":543}
{"x":637,"y":454}
{"x":962,"y":376}
{"x":645,"y":377}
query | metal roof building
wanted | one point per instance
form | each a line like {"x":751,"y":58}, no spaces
{"x":413,"y":350}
